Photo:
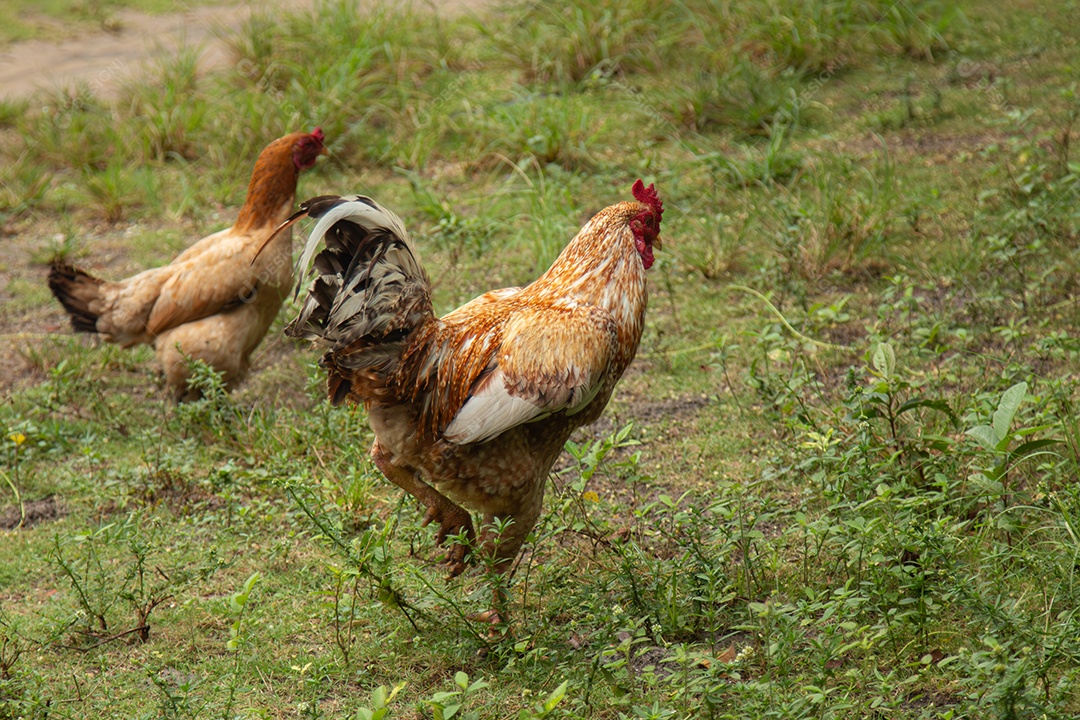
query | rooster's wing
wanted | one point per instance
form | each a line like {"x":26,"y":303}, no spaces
{"x":551,"y":359}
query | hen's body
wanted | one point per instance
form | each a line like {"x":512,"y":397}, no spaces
{"x":210,"y":303}
{"x":474,"y":408}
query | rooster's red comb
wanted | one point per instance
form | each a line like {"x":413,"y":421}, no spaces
{"x":648,"y":196}
{"x":317,"y":133}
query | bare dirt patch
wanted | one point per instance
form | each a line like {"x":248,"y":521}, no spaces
{"x":106,"y":59}
{"x":32,"y":513}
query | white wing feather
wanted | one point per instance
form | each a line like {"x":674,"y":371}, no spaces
{"x":490,"y":412}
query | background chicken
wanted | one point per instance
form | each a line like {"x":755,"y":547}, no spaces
{"x":211,"y":303}
{"x":474,"y":408}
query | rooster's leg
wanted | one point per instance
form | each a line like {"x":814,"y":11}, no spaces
{"x":452,"y":519}
{"x":503,"y":548}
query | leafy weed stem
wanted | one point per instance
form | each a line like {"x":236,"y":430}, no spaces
{"x":329,"y":532}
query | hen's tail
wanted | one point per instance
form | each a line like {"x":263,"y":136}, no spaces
{"x":368,"y":295}
{"x":78,"y":292}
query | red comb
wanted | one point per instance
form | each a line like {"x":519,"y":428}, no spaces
{"x":648,"y":196}
{"x":317,"y":133}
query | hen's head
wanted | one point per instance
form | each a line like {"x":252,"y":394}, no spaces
{"x":297,"y":150}
{"x":646,"y":223}
{"x":306,"y":148}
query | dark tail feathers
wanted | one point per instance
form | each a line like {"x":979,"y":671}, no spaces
{"x":369,"y":292}
{"x":75,"y":290}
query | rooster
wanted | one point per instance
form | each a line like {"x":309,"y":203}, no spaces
{"x":472,"y":409}
{"x":212,"y":303}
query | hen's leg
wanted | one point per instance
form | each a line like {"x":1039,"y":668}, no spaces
{"x":452,"y":519}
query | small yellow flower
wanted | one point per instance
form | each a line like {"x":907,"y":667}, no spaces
{"x":590,"y":496}
{"x":17,"y":437}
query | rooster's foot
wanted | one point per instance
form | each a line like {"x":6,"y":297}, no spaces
{"x":498,"y":629}
{"x":452,"y":521}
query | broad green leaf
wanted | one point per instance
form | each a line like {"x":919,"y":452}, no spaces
{"x":938,"y":442}
{"x":1010,"y":401}
{"x":885,"y":360}
{"x":249,"y":584}
{"x":555,"y":697}
{"x":986,"y":484}
{"x":939,"y":405}
{"x":442,"y":696}
{"x":1024,"y":432}
{"x":477,"y":685}
{"x":1030,"y":447}
{"x":985,"y":435}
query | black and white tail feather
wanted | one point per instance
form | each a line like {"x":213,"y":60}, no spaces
{"x":369,"y":291}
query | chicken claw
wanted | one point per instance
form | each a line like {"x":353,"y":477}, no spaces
{"x":452,"y":521}
{"x":498,"y":628}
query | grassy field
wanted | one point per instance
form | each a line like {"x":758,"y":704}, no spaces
{"x":839,"y":481}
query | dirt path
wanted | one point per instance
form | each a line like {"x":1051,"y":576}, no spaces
{"x":105,"y":59}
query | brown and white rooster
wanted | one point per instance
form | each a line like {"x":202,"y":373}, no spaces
{"x":473,"y":408}
{"x":212,"y":302}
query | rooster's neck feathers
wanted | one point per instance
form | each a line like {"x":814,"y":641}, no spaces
{"x":601,"y":266}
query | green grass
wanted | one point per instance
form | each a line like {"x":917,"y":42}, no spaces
{"x":839,"y":481}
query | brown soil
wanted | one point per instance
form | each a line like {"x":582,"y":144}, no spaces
{"x":32,"y":513}
{"x":106,"y":58}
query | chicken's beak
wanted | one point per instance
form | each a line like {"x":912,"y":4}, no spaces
{"x":658,"y":243}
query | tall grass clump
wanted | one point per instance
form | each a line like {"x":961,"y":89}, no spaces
{"x":356,"y":70}
{"x":835,"y":216}
{"x":566,"y":45}
{"x":754,"y":63}
{"x":547,"y":130}
{"x":168,"y":111}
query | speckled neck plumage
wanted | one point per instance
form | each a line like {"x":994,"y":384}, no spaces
{"x":604,"y":248}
